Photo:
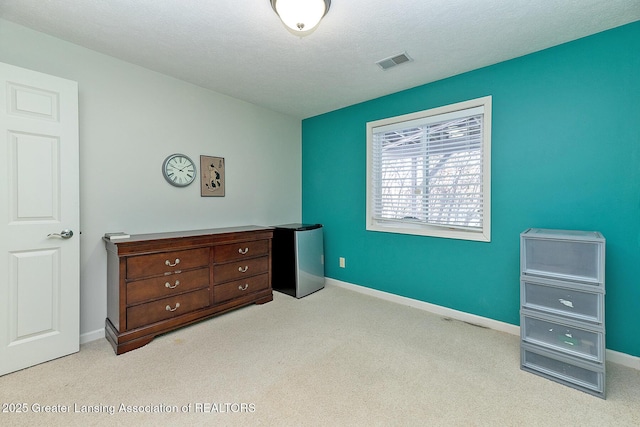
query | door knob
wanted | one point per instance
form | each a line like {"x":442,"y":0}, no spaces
{"x":64,"y":234}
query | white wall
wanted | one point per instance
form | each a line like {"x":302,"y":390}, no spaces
{"x":130,"y":120}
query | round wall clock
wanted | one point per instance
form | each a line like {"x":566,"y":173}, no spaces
{"x":179,"y":170}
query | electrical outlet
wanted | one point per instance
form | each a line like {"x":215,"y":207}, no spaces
{"x":343,"y":262}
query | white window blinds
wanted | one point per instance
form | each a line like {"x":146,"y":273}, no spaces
{"x":429,"y":170}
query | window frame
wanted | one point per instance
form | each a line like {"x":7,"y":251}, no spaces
{"x":483,"y":233}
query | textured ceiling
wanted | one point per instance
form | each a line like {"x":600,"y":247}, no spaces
{"x":241,"y":49}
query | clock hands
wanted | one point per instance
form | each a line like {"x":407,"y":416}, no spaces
{"x":182,"y":169}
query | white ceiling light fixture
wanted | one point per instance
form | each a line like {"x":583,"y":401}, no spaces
{"x":301,"y":17}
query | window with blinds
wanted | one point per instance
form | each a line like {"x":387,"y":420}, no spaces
{"x":429,"y":172}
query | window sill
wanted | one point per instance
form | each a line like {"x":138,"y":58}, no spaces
{"x":431,"y":231}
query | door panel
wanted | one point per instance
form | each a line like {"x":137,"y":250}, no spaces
{"x":39,"y":185}
{"x":33,"y":294}
{"x":34,"y":166}
{"x":32,"y":102}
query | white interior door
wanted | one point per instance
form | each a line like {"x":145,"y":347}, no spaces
{"x":39,"y":198}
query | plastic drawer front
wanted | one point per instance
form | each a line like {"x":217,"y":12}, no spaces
{"x":563,"y":337}
{"x":561,"y":298}
{"x":563,"y":369}
{"x":565,"y":255}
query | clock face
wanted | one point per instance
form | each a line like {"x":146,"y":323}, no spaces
{"x":179,"y":170}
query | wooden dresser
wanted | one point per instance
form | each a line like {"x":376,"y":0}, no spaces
{"x":160,"y":282}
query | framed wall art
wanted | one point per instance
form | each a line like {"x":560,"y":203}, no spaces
{"x":212,"y":181}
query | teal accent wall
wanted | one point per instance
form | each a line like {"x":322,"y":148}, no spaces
{"x":565,"y":154}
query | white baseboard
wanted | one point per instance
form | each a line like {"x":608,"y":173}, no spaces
{"x":612,"y":356}
{"x":623,"y":359}
{"x":91,"y":336}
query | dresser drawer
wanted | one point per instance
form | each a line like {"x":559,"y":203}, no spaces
{"x":559,"y":298}
{"x":562,"y":337}
{"x":145,"y":314}
{"x":234,"y":251}
{"x":166,"y":262}
{"x":240,"y":269}
{"x":238,"y":288}
{"x":165,"y":286}
{"x":566,"y":370}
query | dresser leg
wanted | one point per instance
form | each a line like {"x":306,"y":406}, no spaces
{"x":120,"y":346}
{"x":265,"y":299}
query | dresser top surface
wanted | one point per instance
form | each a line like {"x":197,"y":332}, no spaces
{"x":137,"y":239}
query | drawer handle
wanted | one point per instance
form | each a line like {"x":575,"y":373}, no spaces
{"x":168,"y":308}
{"x":243,"y":251}
{"x":177,"y":261}
{"x":243,"y":270}
{"x":566,"y":302}
{"x":168,"y":285}
{"x":244,"y":288}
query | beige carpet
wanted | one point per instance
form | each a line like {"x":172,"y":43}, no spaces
{"x":334,"y":358}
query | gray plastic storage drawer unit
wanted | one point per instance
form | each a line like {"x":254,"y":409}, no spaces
{"x":567,"y":255}
{"x":562,"y":316}
{"x":572,"y":372}
{"x":572,"y":300}
{"x":560,"y":335}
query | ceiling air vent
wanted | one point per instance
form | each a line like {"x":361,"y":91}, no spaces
{"x":387,"y":63}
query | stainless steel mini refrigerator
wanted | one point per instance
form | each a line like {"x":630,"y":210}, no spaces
{"x":298,"y":259}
